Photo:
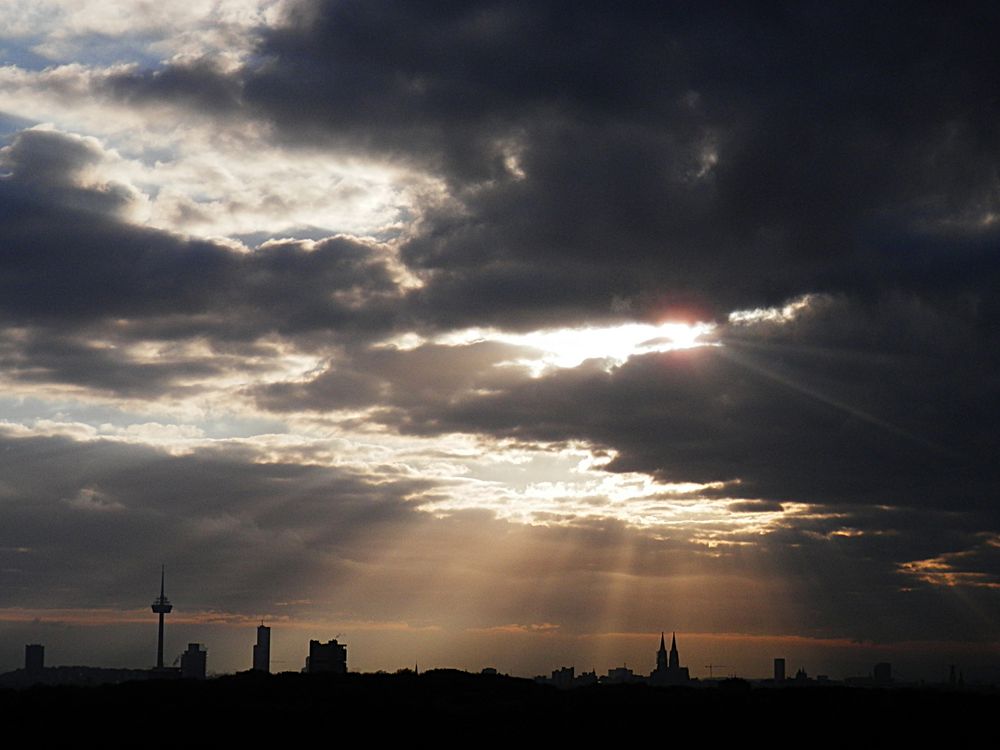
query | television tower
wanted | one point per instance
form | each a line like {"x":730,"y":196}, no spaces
{"x":161,"y":606}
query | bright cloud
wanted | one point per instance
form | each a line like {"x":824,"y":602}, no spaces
{"x":570,"y":347}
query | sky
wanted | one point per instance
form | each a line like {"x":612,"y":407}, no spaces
{"x":502,"y":333}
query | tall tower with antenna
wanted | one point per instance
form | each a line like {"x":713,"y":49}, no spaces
{"x":161,"y":606}
{"x":262,"y":649}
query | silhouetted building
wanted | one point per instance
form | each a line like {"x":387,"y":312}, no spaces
{"x":34,"y":658}
{"x":668,"y":666}
{"x":327,"y":657}
{"x":779,"y":670}
{"x":161,"y":606}
{"x":193,"y":662}
{"x":585,"y":678}
{"x":620,"y":676}
{"x":882,"y":673}
{"x":262,"y":649}
{"x":566,"y":677}
{"x":563,"y":677}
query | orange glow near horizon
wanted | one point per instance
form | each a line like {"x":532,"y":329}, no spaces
{"x":519,"y":649}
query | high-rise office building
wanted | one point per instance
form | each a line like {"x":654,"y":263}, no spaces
{"x":327,"y":657}
{"x":34,"y":658}
{"x":262,"y":649}
{"x":779,"y":670}
{"x":194,"y":662}
{"x":563,"y":677}
{"x":882,"y":673}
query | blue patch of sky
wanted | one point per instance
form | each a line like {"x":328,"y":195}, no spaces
{"x":11,"y":124}
{"x":253,"y":239}
{"x":97,"y":50}
{"x":18,"y":52}
{"x":100,"y":50}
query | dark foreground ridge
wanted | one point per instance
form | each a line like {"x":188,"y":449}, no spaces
{"x":450,"y":706}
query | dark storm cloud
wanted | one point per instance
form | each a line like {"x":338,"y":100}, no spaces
{"x":91,"y":519}
{"x":198,"y":84}
{"x":388,"y":377}
{"x":618,"y":162}
{"x":879,"y":414}
{"x":693,"y":159}
{"x":854,"y":586}
{"x":851,"y":402}
{"x":43,"y":167}
{"x":756,"y":506}
{"x":86,"y":524}
{"x":45,"y":357}
{"x":69,"y":259}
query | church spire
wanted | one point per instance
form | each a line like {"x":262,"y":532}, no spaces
{"x":668,"y":665}
{"x":661,"y":655}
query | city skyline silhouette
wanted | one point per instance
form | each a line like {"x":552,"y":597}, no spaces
{"x":331,"y":658}
{"x":846,"y":663}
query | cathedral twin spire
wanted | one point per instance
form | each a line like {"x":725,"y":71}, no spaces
{"x":668,"y":665}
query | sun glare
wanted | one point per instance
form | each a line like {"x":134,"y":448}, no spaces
{"x":570,"y":347}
